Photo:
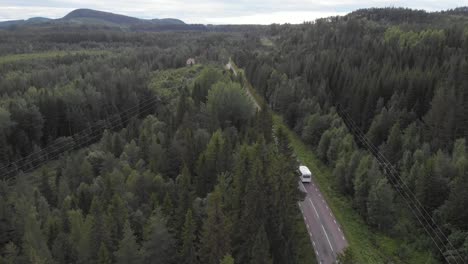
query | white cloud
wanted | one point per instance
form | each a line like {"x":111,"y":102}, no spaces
{"x":24,"y":12}
{"x":213,"y":11}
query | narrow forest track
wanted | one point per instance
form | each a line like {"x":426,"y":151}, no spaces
{"x":229,"y":66}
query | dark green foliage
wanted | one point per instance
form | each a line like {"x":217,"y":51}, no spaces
{"x":196,"y":176}
{"x":229,"y":105}
{"x":188,"y":252}
{"x":380,"y":209}
{"x":227,"y":260}
{"x":215,"y":237}
{"x":399,"y":76}
{"x":158,"y":244}
{"x":128,"y":250}
{"x":260,"y":251}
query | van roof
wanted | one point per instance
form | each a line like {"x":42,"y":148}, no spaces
{"x":304,"y":170}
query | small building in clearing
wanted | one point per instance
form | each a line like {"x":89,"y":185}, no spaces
{"x":190,"y":61}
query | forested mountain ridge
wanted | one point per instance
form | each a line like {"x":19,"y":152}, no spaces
{"x":401,"y":75}
{"x":93,"y":17}
{"x":80,"y":14}
{"x":410,"y":16}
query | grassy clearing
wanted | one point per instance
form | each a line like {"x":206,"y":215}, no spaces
{"x":367,"y":245}
{"x":267,"y":42}
{"x":46,"y":55}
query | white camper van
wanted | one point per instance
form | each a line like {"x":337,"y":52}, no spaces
{"x":306,"y":175}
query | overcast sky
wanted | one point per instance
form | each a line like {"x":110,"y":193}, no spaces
{"x":213,"y":11}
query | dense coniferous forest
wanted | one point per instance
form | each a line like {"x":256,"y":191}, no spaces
{"x":193,"y":177}
{"x":401,"y":76}
{"x":179,"y":166}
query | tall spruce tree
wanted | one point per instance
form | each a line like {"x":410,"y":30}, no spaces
{"x":188,"y":251}
{"x":128,"y":250}
{"x":215,"y":236}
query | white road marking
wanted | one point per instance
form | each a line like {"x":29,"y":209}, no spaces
{"x":307,"y":226}
{"x":310,"y":234}
{"x":339,"y":229}
{"x":343,"y":237}
{"x":313,"y":243}
{"x":314,"y":208}
{"x":330,"y":214}
{"x":323,"y":200}
{"x":329,"y":243}
{"x":334,"y":221}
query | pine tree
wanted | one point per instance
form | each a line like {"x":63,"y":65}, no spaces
{"x":100,"y":232}
{"x":441,"y":117}
{"x":187,"y":253}
{"x":228,"y":259}
{"x":117,"y":144}
{"x":132,"y":152}
{"x":168,"y":206}
{"x":361,"y":185}
{"x":158,"y":243}
{"x":324,"y":144}
{"x":128,"y":250}
{"x":380,"y":211}
{"x":264,"y":123}
{"x":116,"y":217}
{"x":260,"y":251}
{"x":103,"y":255}
{"x":215,"y":237}
{"x":254,"y":212}
{"x":454,"y":209}
{"x":10,"y":254}
{"x":185,"y":196}
{"x":459,"y":156}
{"x":34,"y":243}
{"x":80,"y":235}
{"x":431,"y":187}
{"x":241,"y":174}
{"x":211,"y":163}
{"x":392,"y":149}
{"x":181,"y":107}
{"x":339,"y":173}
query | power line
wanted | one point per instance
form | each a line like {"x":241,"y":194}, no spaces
{"x":409,"y":197}
{"x":386,"y":164}
{"x":82,"y":138}
{"x":90,"y":139}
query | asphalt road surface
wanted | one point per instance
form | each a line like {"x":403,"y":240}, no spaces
{"x":325,"y":232}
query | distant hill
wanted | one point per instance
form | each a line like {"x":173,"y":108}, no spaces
{"x":84,"y":14}
{"x":95,"y":17}
{"x":31,"y":21}
{"x":420,"y":18}
{"x":463,"y":11}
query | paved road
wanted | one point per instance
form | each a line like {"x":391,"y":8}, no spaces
{"x":325,"y":233}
